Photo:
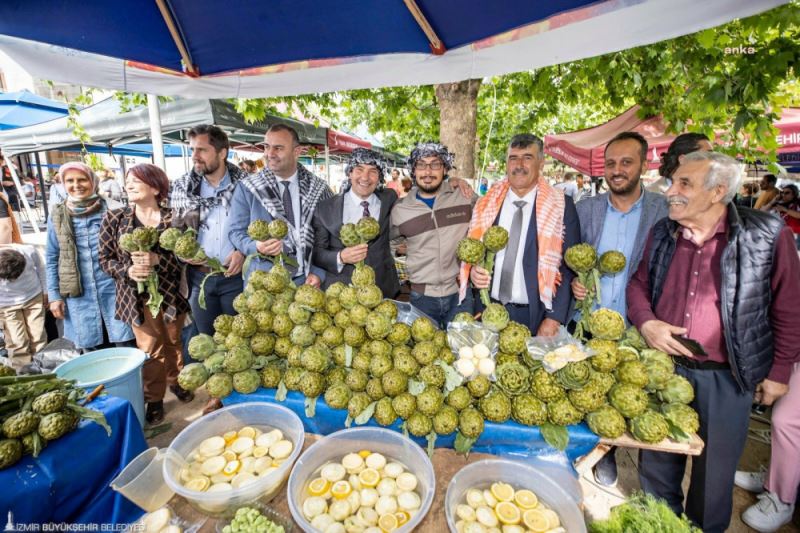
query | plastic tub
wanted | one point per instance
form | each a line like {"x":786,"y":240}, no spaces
{"x":119,"y":369}
{"x":336,"y":445}
{"x":142,"y":481}
{"x":265,"y":416}
{"x":482,"y":474}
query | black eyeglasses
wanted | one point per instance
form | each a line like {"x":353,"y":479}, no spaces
{"x":436,"y":165}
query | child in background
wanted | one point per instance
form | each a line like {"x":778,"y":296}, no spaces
{"x":22,"y":299}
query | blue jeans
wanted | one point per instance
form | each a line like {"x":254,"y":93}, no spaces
{"x":442,"y":309}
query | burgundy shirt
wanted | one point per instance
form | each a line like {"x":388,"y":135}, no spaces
{"x":691,"y":296}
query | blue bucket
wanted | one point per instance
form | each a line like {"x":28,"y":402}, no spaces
{"x":119,"y":369}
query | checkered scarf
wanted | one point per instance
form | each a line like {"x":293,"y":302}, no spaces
{"x":549,"y":234}
{"x":264,"y":187}
{"x":185,"y":194}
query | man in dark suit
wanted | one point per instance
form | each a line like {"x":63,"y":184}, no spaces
{"x":530,"y":277}
{"x":363,"y":195}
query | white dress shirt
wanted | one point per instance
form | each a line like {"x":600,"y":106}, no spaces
{"x":29,"y":284}
{"x":519,"y":293}
{"x":294,"y":191}
{"x":353,"y":211}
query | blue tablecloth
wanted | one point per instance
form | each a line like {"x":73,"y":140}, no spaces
{"x":69,"y":482}
{"x":506,"y":439}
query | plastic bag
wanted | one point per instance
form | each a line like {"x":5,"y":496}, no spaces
{"x":56,"y":352}
{"x":469,"y":335}
{"x":555,"y":352}
{"x":407,"y":313}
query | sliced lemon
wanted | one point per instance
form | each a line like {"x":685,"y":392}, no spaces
{"x":229,"y":456}
{"x":507,"y":513}
{"x":491,"y":501}
{"x":536,"y":520}
{"x":402,"y":517}
{"x":388,"y":522}
{"x":341,"y":490}
{"x":318,"y":487}
{"x":364,"y":454}
{"x":232,"y":467}
{"x":260,"y":451}
{"x":369,"y":477}
{"x":200,"y":484}
{"x":229,"y":437}
{"x":465,"y":512}
{"x":526,"y":499}
{"x":502,"y":491}
{"x":247,"y":431}
{"x":553,"y":521}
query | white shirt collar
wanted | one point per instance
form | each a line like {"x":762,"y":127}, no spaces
{"x":356,"y":199}
{"x":529,"y":197}
{"x":291,"y":179}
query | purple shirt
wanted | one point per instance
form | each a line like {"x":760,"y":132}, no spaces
{"x":694,"y":282}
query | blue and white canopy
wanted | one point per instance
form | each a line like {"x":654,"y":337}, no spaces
{"x":209,"y":48}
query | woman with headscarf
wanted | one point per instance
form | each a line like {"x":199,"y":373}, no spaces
{"x":160,"y":336}
{"x":685,"y":143}
{"x":79,"y":292}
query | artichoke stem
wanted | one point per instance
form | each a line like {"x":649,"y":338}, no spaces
{"x":488,"y":264}
{"x":485,"y":300}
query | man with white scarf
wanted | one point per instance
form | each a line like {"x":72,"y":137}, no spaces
{"x":283,"y":190}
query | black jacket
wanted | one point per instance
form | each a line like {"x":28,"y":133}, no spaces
{"x":327,"y":223}
{"x":745,"y":287}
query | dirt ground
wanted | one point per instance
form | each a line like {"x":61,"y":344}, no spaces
{"x":597,"y":500}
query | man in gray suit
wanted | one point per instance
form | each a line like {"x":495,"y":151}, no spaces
{"x":363,"y":195}
{"x":619,"y":220}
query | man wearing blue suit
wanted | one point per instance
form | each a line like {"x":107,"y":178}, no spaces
{"x":619,"y":220}
{"x":284,"y":190}
{"x":530,"y":277}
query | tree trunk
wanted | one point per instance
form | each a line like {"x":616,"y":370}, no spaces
{"x":458,"y":109}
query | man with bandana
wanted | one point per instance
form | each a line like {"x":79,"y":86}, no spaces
{"x":364,"y":195}
{"x":432,"y":218}
{"x":284,"y":190}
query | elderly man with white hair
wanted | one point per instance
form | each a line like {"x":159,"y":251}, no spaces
{"x":732,"y":280}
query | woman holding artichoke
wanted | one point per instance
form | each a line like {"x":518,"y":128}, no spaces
{"x":157,"y":333}
{"x":78,"y":291}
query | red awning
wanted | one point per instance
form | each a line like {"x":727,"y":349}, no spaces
{"x":341,"y":142}
{"x":583,"y":149}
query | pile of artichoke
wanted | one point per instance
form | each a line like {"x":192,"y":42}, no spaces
{"x":35,"y":410}
{"x":346,"y":347}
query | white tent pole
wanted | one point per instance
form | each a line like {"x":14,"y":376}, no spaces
{"x":155,"y":130}
{"x":23,"y":199}
{"x":327,"y":164}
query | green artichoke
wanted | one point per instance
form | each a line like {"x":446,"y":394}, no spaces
{"x":219,"y":385}
{"x":677,"y":390}
{"x":495,"y":317}
{"x":320,"y":322}
{"x":513,"y":338}
{"x":423,"y":329}
{"x":358,"y":402}
{"x":338,"y":396}
{"x":512,"y":378}
{"x":479,"y":386}
{"x":606,"y":324}
{"x":278,"y":229}
{"x":271,"y":376}
{"x":633,"y":372}
{"x":192,"y":376}
{"x":419,"y":425}
{"x":470,"y":423}
{"x":587,"y":399}
{"x":405,"y":363}
{"x":262,"y":344}
{"x":201,"y":346}
{"x":238,"y":359}
{"x":370,"y":296}
{"x":574,"y":375}
{"x":49,"y":402}
{"x":334,"y":290}
{"x":495,"y":239}
{"x":425,"y":352}
{"x":394,"y":382}
{"x":527,"y":409}
{"x":495,"y":406}
{"x":445,"y":421}
{"x":363,"y":276}
{"x":258,"y":230}
{"x":388,"y":308}
{"x":629,"y":400}
{"x":356,"y":380}
{"x":470,"y":251}
{"x":459,"y":398}
{"x":681,"y":416}
{"x":378,"y":326}
{"x":561,"y":412}
{"x":302,"y":335}
{"x":404,"y":404}
{"x":333,"y":336}
{"x":169,"y":237}
{"x":244,"y":325}
{"x":581,"y":258}
{"x":612,"y":262}
{"x":606,"y":357}
{"x":56,"y":425}
{"x":374,"y":389}
{"x":186,"y":247}
{"x":10,"y":452}
{"x":348,"y":235}
{"x":310,"y":297}
{"x":215,"y":363}
{"x":246,"y":381}
{"x":606,"y":422}
{"x":312,"y":384}
{"x":650,"y":427}
{"x":464,"y":317}
{"x":20,"y":424}
{"x":315,"y":358}
{"x":384,"y":414}
{"x":429,"y":401}
{"x":367,"y":229}
{"x":399,"y":334}
{"x":293,"y":377}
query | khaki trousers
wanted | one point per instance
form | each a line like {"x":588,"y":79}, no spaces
{"x":161,"y":341}
{"x":23,"y":327}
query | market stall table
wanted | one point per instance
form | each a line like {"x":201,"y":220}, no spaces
{"x":69,"y":482}
{"x":507,"y":439}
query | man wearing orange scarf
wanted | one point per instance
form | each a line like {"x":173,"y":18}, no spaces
{"x":529,"y":277}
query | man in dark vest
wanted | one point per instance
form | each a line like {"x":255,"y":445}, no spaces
{"x":727,"y":278}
